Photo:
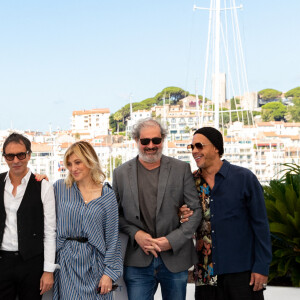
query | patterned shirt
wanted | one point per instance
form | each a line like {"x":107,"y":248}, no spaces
{"x":203,"y":271}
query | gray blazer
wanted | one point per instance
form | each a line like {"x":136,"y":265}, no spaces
{"x":175,"y":188}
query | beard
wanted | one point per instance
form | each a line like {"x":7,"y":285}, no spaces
{"x":150,"y":155}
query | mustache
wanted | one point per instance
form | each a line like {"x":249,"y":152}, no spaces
{"x":151,"y":149}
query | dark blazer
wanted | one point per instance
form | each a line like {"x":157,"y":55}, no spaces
{"x":175,"y":188}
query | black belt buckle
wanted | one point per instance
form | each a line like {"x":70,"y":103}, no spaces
{"x":82,"y":239}
{"x":79,"y":239}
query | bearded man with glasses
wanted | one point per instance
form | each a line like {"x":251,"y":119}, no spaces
{"x":150,"y":189}
{"x":27,"y":226}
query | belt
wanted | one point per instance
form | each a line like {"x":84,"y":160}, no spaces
{"x":4,"y":253}
{"x":78,"y":239}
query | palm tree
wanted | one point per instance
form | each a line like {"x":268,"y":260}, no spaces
{"x":118,"y":117}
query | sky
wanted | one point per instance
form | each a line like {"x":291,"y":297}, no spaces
{"x":63,"y":55}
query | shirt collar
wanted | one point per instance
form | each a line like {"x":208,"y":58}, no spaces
{"x":223,"y":171}
{"x":225,"y":168}
{"x":25,"y":179}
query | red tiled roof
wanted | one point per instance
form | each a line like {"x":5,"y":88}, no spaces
{"x":91,"y":111}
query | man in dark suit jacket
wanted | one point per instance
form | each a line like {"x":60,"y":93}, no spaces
{"x":151,"y":188}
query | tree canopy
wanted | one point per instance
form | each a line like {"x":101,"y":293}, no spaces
{"x":269,"y":94}
{"x":171,"y":93}
{"x":118,"y":117}
{"x":273,"y":111}
{"x":294,"y":111}
{"x":293,"y":92}
{"x":149,"y":102}
{"x":234,"y":102}
{"x":241,"y":116}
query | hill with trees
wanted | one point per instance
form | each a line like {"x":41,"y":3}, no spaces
{"x":273,"y":111}
{"x":171,"y":94}
{"x":294,"y":111}
{"x":269,"y":94}
{"x":293,"y":93}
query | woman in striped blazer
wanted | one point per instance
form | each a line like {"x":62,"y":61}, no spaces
{"x":88,"y":243}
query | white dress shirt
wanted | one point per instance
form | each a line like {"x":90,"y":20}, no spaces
{"x":12,"y":203}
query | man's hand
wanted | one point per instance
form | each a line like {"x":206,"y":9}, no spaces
{"x":184,"y":213}
{"x":46,"y":282}
{"x":162,"y":243}
{"x":143,"y":239}
{"x":105,"y":284}
{"x":257,"y":280}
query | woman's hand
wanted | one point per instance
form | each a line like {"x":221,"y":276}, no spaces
{"x":40,"y":177}
{"x":105,"y":285}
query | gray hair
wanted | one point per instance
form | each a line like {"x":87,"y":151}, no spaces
{"x":147,"y":122}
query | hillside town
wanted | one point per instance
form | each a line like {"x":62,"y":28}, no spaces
{"x":262,"y":147}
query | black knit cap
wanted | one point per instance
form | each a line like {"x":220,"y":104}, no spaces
{"x":214,"y":136}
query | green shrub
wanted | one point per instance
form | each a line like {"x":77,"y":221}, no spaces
{"x":282,"y":199}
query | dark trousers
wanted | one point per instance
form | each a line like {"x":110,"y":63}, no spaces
{"x":20,"y":278}
{"x":206,"y":292}
{"x":236,"y":286}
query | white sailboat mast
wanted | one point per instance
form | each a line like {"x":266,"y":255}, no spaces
{"x":130,"y":101}
{"x":216,"y":87}
{"x":213,"y":50}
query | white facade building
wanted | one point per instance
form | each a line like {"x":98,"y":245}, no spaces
{"x":262,"y":148}
{"x":137,"y":115}
{"x":90,"y":123}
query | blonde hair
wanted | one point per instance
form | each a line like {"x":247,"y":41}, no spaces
{"x":88,"y":156}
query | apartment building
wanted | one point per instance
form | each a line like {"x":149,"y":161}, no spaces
{"x":135,"y":116}
{"x":90,"y":123}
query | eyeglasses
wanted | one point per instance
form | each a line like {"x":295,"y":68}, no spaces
{"x":199,"y":146}
{"x":11,"y":156}
{"x":155,"y":141}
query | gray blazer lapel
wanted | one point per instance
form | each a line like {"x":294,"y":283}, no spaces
{"x":132,"y":176}
{"x":162,"y":181}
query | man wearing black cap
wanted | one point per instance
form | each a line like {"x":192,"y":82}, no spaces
{"x":233,"y":240}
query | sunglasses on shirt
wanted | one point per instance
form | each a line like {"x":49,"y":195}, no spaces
{"x":113,"y":288}
{"x":199,"y":146}
{"x":155,"y":141}
{"x":11,"y":156}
